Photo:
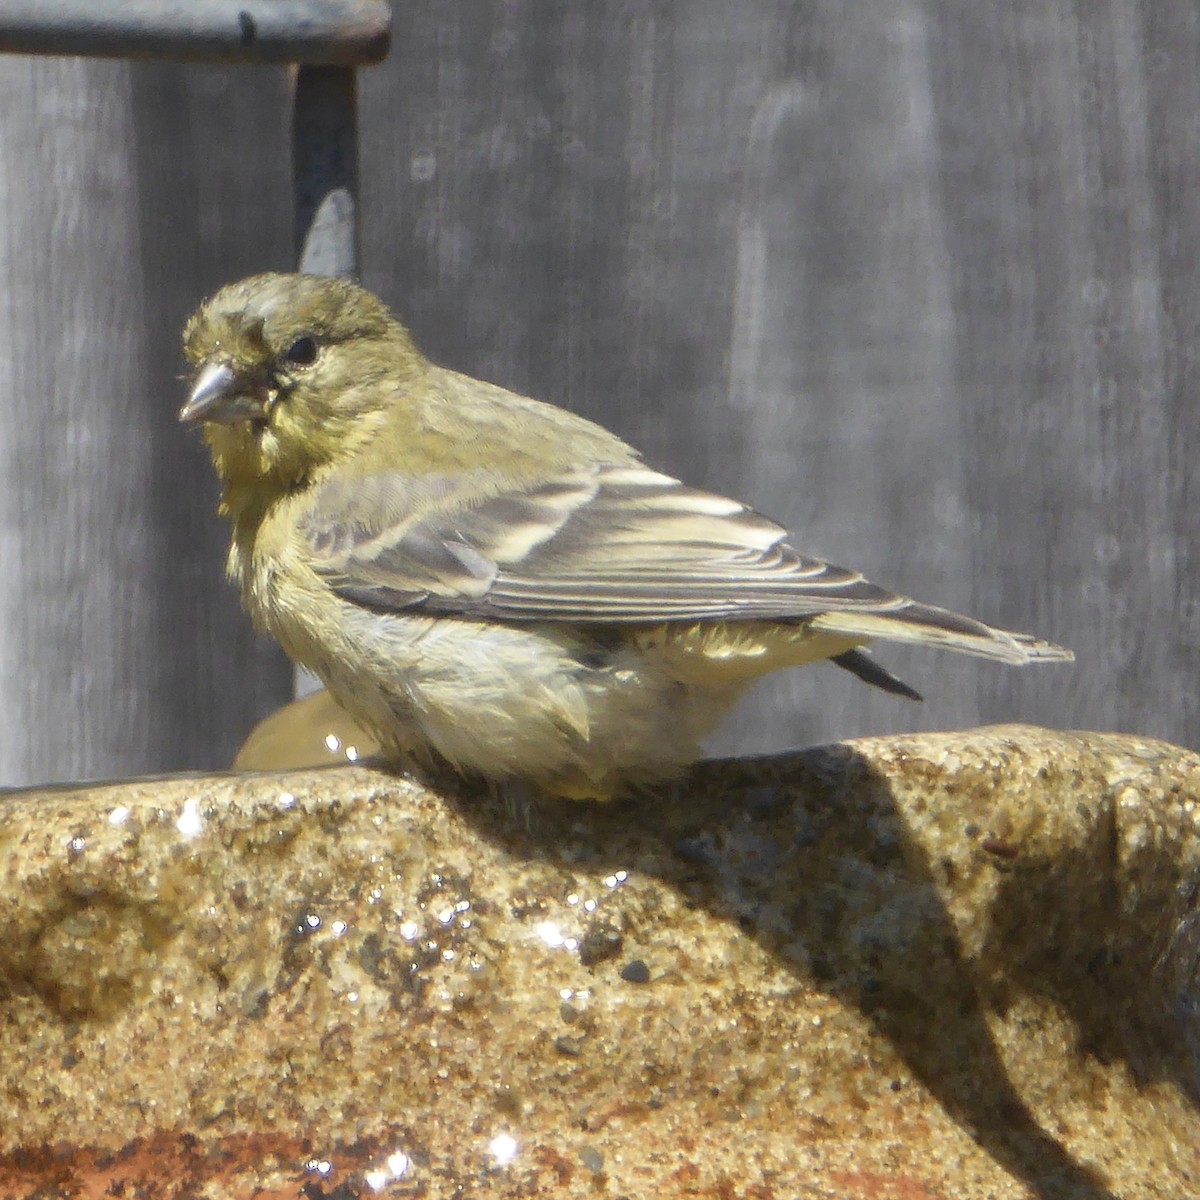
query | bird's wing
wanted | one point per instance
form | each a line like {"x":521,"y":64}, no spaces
{"x":606,"y":544}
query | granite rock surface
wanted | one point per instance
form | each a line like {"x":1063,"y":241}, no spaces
{"x":907,"y":968}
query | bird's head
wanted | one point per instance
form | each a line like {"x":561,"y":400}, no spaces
{"x":288,"y":371}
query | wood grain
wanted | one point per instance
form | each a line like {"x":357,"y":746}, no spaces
{"x":917,"y":279}
{"x":129,"y":192}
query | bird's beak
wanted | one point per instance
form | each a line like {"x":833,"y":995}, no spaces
{"x":219,"y":395}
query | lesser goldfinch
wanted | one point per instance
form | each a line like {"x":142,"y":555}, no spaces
{"x":494,"y":582}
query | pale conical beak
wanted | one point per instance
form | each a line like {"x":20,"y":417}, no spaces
{"x":218,"y":395}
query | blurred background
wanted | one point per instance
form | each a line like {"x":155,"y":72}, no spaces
{"x":919,"y":280}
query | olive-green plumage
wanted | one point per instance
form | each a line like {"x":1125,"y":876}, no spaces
{"x":492,"y":581}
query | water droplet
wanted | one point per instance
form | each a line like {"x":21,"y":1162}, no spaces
{"x":503,"y":1147}
{"x":190,"y":822}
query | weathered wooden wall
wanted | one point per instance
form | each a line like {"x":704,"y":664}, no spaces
{"x":917,"y":279}
{"x":127,"y":192}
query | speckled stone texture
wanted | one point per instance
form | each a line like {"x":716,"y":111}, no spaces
{"x":941,"y":966}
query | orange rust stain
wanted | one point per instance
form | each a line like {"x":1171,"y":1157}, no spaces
{"x":178,"y":1164}
{"x":562,"y":1168}
{"x":868,"y":1185}
{"x":685,"y":1174}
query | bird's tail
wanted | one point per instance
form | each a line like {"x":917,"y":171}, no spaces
{"x":930,"y":626}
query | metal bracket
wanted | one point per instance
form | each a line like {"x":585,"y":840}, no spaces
{"x":330,"y":32}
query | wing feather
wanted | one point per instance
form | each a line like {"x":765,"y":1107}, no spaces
{"x":608,"y":544}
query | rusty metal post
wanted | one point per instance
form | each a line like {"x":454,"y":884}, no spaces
{"x":325,"y":189}
{"x":324,"y":39}
{"x":325,"y":170}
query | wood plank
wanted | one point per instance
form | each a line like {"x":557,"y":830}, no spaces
{"x":918,"y":280}
{"x":129,"y":192}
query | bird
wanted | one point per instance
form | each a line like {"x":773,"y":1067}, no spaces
{"x":493,"y":583}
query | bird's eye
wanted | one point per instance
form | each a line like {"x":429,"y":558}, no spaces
{"x":302,"y":352}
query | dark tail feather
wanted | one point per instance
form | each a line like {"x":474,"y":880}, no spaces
{"x":860,"y":663}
